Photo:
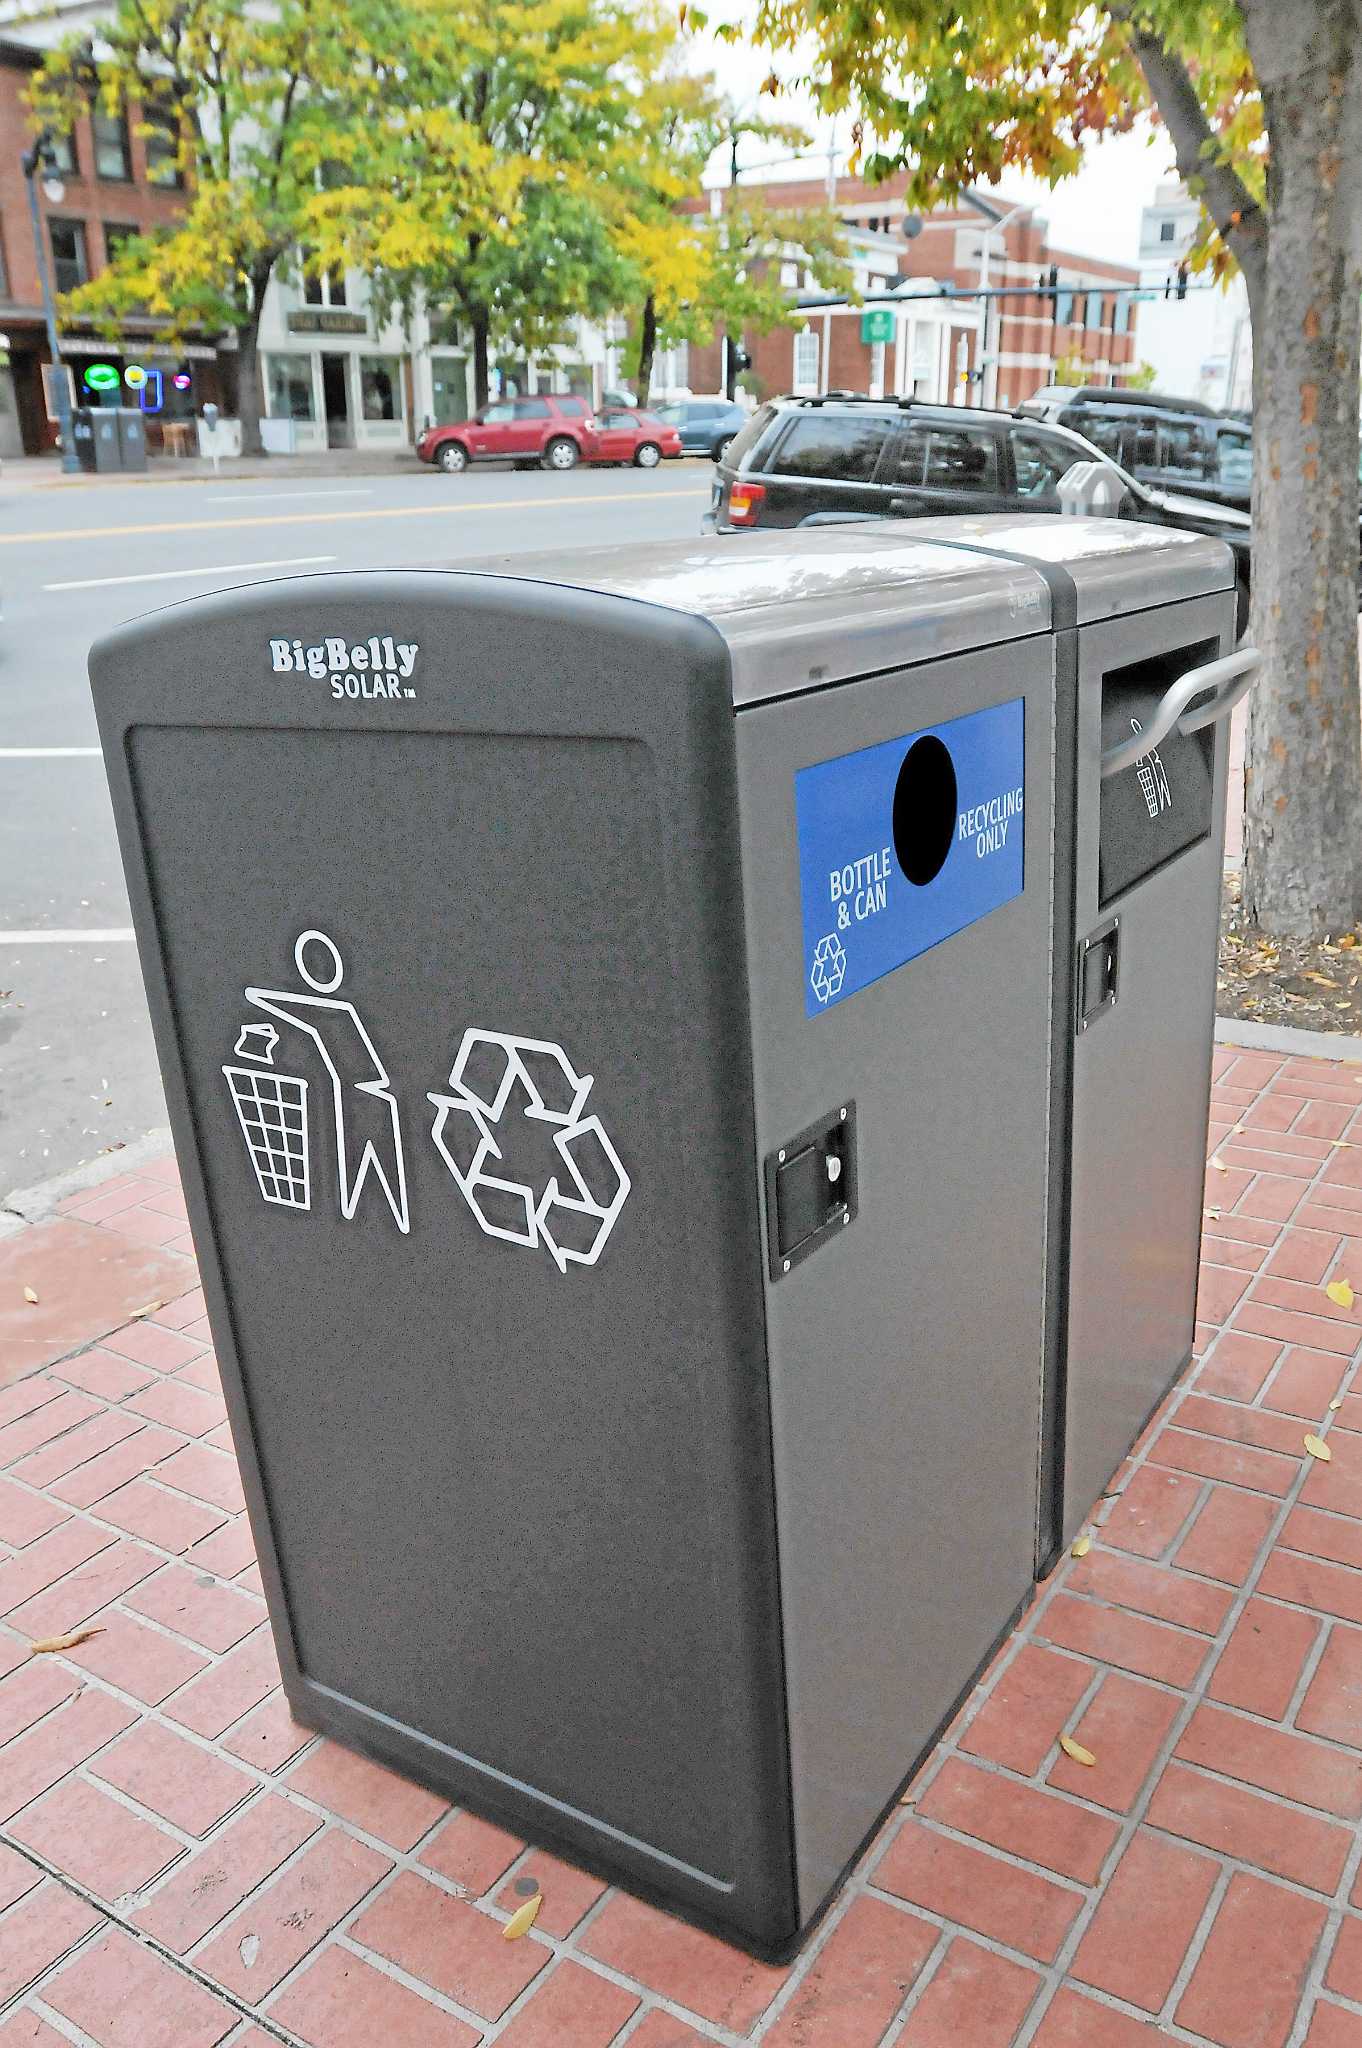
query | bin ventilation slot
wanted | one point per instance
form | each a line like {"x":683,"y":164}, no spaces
{"x":811,"y":1188}
{"x":1098,"y":972}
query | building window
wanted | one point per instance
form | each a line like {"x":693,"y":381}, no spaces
{"x":288,"y":384}
{"x":70,"y":265}
{"x":449,"y":388}
{"x":162,"y":145}
{"x":806,"y":361}
{"x":789,"y":275}
{"x":1120,"y":314}
{"x":380,"y":387}
{"x":116,"y":233}
{"x":1094,"y":312}
{"x":63,"y":157}
{"x":1167,"y":230}
{"x":324,"y":288}
{"x":1064,"y":308}
{"x":113,"y":161}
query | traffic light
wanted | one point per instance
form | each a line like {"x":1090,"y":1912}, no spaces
{"x":1047,"y":285}
{"x":1176,"y":288}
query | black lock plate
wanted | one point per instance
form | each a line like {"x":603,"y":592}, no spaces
{"x":810,"y":1188}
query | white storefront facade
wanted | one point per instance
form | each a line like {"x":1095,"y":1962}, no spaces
{"x":333,"y":376}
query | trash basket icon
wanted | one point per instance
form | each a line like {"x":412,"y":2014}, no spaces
{"x":272,"y":1109}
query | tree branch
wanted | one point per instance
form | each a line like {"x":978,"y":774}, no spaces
{"x":1239,"y":219}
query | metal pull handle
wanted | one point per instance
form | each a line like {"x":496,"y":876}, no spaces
{"x":1228,"y":680}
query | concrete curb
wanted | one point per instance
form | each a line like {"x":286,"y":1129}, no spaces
{"x":36,"y":1204}
{"x":1285,"y":1038}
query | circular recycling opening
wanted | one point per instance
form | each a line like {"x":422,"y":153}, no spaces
{"x":924,"y":809}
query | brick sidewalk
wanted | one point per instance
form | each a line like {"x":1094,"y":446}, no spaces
{"x":186,"y":1867}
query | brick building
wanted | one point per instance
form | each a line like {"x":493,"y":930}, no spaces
{"x":951,"y":347}
{"x":116,"y":182}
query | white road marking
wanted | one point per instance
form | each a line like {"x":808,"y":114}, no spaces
{"x":50,"y":753}
{"x":166,"y":575}
{"x":274,"y":497}
{"x":83,"y":936}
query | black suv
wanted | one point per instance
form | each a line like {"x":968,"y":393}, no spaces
{"x":802,"y":459}
{"x":1171,"y":444}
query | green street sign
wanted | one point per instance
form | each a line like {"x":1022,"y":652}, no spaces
{"x":877,"y":323}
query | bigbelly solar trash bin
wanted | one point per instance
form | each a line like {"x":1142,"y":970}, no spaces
{"x":1147,"y":674}
{"x":607,"y":1015}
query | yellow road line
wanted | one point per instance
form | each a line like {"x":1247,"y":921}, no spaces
{"x":189,"y":526}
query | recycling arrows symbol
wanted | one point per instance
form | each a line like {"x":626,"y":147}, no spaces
{"x":573,"y":1226}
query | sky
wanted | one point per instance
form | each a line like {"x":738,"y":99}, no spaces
{"x":1096,"y":213}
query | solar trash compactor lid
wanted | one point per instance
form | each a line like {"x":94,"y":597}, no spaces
{"x":1117,"y":566}
{"x":814,"y":605}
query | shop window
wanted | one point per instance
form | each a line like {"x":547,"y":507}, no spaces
{"x":449,"y":388}
{"x":380,"y":382}
{"x":288,"y":382}
{"x":70,"y":264}
{"x":113,"y":158}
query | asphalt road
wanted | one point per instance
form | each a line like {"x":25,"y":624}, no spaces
{"x":77,"y":1068}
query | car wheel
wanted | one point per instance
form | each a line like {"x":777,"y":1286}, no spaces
{"x":647,"y":455}
{"x":453,"y":456}
{"x":722,"y":446}
{"x":562,"y":453}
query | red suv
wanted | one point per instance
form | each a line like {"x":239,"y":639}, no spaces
{"x":544,"y":432}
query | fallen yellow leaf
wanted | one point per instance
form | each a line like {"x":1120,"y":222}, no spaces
{"x":46,"y":1645}
{"x":30,"y":1297}
{"x":148,"y":1308}
{"x":908,"y":1799}
{"x":1340,"y":1291}
{"x":1212,"y":1213}
{"x":1082,"y":1545}
{"x":1348,"y":939}
{"x":1076,"y":1751}
{"x":523,"y":1919}
{"x":1318,"y":1448}
{"x":1338,"y":1403}
{"x":1322,"y":979}
{"x":1220,"y":1166}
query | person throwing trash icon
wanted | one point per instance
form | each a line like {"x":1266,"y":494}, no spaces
{"x":367,"y":1124}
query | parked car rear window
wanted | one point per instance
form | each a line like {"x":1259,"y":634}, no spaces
{"x":947,"y":459}
{"x":1039,"y":463}
{"x":748,"y":434}
{"x":830,"y":445}
{"x":1234,"y":459}
{"x":1183,"y":447}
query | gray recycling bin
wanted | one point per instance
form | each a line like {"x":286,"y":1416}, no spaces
{"x":94,"y":429}
{"x":132,"y":438}
{"x":1139,"y":849}
{"x":615,"y":1019}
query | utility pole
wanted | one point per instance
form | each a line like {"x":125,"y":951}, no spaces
{"x":43,"y":158}
{"x":730,"y":367}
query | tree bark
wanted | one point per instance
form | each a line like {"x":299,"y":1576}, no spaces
{"x":478,"y":322}
{"x":248,"y":367}
{"x":1303,"y":772}
{"x":647,"y":348}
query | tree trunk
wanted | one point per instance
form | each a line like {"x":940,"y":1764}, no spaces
{"x":647,"y":349}
{"x":479,"y":323}
{"x":248,"y":369}
{"x":1303,"y":774}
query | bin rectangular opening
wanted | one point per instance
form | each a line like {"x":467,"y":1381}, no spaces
{"x":1162,"y":804}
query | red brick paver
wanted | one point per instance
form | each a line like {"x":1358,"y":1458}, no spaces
{"x":183,"y":1864}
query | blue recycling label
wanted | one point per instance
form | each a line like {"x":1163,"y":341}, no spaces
{"x":904,"y":844}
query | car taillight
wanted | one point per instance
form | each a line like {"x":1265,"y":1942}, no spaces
{"x":744,"y":504}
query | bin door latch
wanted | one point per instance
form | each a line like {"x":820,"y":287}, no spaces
{"x":810,"y":1188}
{"x":1099,"y":960}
